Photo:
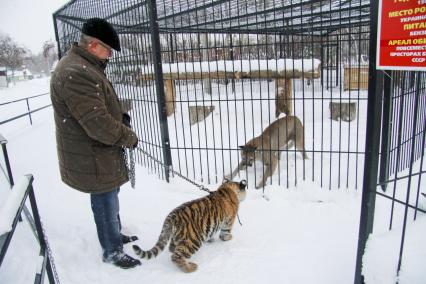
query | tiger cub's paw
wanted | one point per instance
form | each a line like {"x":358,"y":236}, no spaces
{"x":226,"y":237}
{"x":189,"y":267}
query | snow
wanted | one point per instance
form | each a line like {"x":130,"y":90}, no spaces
{"x":305,"y":65}
{"x":11,"y":206}
{"x":378,"y":255}
{"x":301,"y":234}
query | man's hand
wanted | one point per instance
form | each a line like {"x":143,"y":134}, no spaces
{"x":135,"y":145}
{"x":126,"y":120}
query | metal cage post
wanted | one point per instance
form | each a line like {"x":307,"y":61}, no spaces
{"x":374,"y":109}
{"x":159,"y":85}
{"x":386,"y":132}
{"x":3,"y":143}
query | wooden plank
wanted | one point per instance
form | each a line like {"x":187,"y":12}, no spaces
{"x":355,"y":77}
{"x":170,"y":91}
{"x":283,"y":97}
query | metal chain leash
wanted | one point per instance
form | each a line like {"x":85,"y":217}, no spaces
{"x":129,"y":159}
{"x":170,"y":168}
{"x":49,"y":253}
{"x":132,"y":175}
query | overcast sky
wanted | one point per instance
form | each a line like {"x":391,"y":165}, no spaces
{"x":29,"y":22}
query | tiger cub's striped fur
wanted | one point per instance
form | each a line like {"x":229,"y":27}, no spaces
{"x":195,"y":222}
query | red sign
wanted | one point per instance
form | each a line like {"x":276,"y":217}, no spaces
{"x":401,"y":37}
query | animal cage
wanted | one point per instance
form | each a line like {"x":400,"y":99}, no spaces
{"x":250,"y":62}
{"x":202,"y":78}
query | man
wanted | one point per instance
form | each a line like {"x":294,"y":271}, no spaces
{"x":91,"y":131}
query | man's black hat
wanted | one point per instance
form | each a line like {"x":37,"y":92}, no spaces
{"x":102,"y":30}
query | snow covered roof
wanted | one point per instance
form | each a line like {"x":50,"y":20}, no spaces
{"x":310,"y":17}
{"x":25,"y":72}
{"x":284,"y":68}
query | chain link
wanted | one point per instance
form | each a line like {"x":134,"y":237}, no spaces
{"x":49,"y":253}
{"x":132,"y":175}
{"x":170,"y":168}
{"x":129,"y":160}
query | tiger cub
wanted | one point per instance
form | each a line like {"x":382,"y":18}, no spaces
{"x":195,"y":222}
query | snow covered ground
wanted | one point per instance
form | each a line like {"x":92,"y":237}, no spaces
{"x":304,"y":234}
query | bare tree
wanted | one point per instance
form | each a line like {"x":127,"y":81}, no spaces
{"x":11,"y":54}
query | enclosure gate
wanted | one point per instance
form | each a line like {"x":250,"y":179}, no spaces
{"x":394,"y":159}
{"x":393,"y":175}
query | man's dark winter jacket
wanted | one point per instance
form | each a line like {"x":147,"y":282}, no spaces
{"x":89,"y":130}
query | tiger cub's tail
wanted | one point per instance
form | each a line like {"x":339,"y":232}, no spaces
{"x":163,"y":239}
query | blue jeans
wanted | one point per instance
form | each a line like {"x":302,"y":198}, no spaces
{"x":105,"y":207}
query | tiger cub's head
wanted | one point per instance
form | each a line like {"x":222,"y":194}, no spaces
{"x":239,"y":188}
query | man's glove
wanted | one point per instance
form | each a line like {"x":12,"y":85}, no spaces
{"x":126,"y":120}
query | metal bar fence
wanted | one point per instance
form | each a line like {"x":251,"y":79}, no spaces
{"x":406,"y":154}
{"x":212,"y":56}
{"x":404,"y":97}
{"x":6,"y":238}
{"x":29,"y":111}
{"x":258,"y":97}
{"x":6,"y":180}
{"x":403,"y":133}
{"x":34,"y":222}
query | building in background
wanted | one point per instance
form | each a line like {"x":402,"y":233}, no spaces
{"x":3,"y":77}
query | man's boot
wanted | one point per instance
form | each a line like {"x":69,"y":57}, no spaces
{"x":123,"y":260}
